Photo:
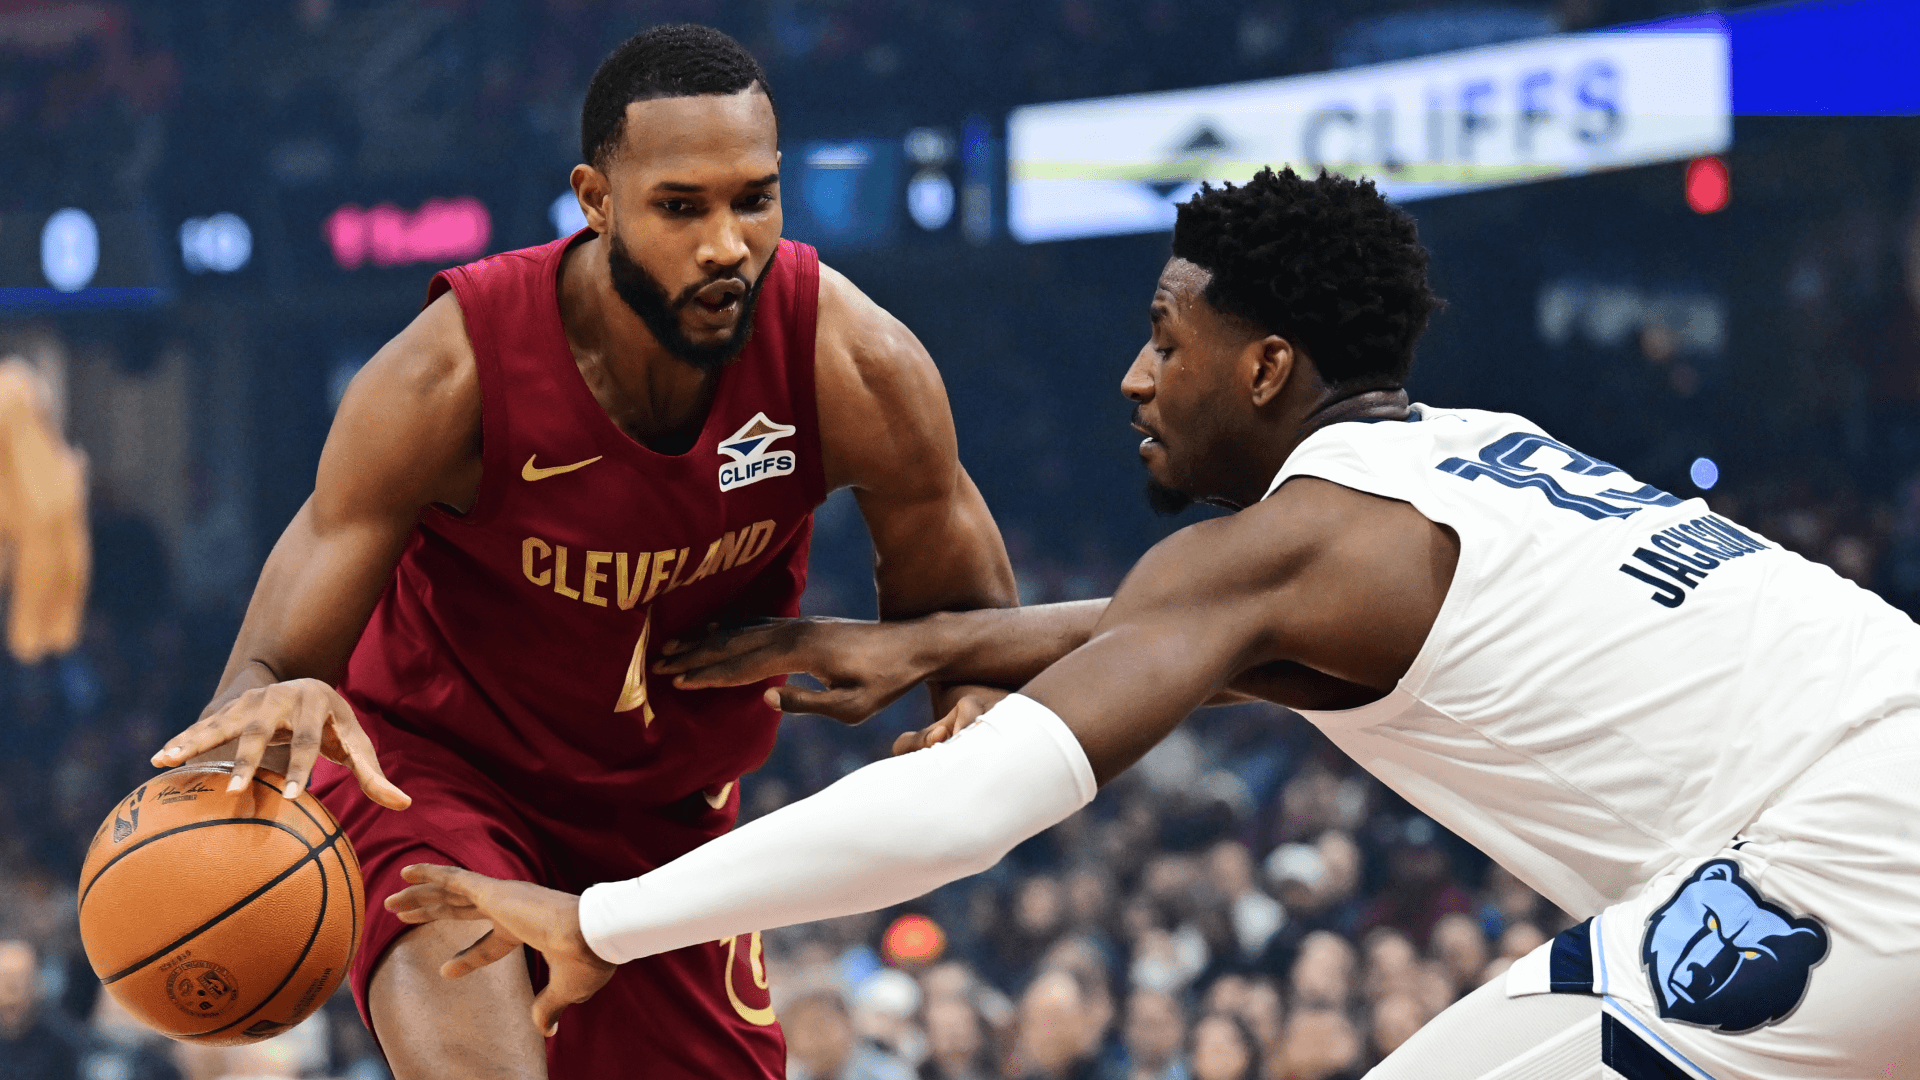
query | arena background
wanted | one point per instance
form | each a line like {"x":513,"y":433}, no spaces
{"x":269,"y":184}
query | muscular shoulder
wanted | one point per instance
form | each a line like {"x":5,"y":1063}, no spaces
{"x":408,"y":427}
{"x":884,"y":418}
{"x":1341,"y":581}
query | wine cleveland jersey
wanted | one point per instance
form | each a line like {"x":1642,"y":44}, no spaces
{"x":517,"y":635}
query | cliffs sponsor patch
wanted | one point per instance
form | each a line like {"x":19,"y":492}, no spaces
{"x":754,"y":457}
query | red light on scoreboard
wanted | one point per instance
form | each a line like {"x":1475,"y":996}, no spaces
{"x":442,"y":230}
{"x":1709,"y":185}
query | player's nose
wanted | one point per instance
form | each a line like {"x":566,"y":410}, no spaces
{"x":725,"y":244}
{"x":1138,"y":383}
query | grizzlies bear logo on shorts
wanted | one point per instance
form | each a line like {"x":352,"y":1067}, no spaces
{"x":1722,"y":956}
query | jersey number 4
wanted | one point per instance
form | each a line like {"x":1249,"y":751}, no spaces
{"x":1507,"y":459}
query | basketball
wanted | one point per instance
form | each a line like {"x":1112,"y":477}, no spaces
{"x":217,"y":917}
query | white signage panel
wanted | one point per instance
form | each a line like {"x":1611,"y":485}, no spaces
{"x":1436,"y":125}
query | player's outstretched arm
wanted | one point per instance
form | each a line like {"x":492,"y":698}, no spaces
{"x":1190,"y":615}
{"x":406,"y":435}
{"x":1318,"y":577}
{"x":872,"y":663}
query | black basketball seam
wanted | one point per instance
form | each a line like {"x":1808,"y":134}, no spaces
{"x":353,"y":901}
{"x":177,"y":829}
{"x":319,"y":920}
{"x":347,"y":874}
{"x":295,"y":803}
{"x":312,"y":856}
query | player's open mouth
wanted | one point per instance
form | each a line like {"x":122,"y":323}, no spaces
{"x":721,"y":297}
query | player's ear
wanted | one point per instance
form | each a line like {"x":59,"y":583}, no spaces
{"x":590,"y":186}
{"x":1273,"y":360}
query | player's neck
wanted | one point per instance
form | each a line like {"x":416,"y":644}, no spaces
{"x":1320,"y":406}
{"x":658,"y":399}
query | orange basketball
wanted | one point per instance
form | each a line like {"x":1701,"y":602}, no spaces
{"x":220,"y":918}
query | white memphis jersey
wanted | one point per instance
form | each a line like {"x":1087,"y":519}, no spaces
{"x":1618,"y":679}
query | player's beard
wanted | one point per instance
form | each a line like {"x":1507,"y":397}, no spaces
{"x":1166,"y":501}
{"x":648,"y":299}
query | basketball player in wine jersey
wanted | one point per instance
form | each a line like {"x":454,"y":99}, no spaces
{"x":574,"y":453}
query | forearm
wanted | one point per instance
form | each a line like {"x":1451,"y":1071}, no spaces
{"x":1003,"y":646}
{"x":884,"y":834}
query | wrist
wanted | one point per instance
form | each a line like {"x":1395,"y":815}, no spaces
{"x":940,"y":641}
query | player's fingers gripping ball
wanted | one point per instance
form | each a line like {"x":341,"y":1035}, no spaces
{"x":218,"y":916}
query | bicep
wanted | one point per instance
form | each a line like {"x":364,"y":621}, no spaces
{"x":888,"y":434}
{"x":937,"y":552}
{"x":405,"y":436}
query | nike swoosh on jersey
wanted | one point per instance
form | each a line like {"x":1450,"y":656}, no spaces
{"x":720,"y":800}
{"x":528,"y":472}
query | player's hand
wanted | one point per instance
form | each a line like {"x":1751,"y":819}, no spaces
{"x":522,"y":913}
{"x":971,"y":706}
{"x":862,"y":666}
{"x":306,"y":716}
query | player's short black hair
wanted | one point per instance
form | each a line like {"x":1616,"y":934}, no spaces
{"x":1327,"y":263}
{"x":676,"y":60}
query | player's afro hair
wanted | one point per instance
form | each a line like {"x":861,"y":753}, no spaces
{"x":677,"y":60}
{"x":1326,"y":263}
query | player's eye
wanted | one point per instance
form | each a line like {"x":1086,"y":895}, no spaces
{"x":676,"y":206}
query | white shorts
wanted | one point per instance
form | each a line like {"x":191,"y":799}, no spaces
{"x":1793,"y":953}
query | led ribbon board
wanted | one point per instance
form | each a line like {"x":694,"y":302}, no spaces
{"x":1480,"y":118}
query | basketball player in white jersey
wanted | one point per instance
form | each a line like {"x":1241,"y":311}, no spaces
{"x":1702,"y":745}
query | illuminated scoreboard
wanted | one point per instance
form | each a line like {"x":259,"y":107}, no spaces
{"x":78,"y":257}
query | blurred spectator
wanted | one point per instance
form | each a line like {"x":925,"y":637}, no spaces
{"x":821,"y":1044}
{"x":1059,"y":1033}
{"x":1420,"y":886}
{"x":32,"y":1046}
{"x":1322,"y":976}
{"x":1153,"y":1038}
{"x":1459,"y":945}
{"x":1255,"y":916}
{"x":1520,"y":939}
{"x":883,"y":1014}
{"x":125,"y":1049}
{"x":1391,"y":965}
{"x":1039,"y":917}
{"x":1395,"y":1019}
{"x":958,"y":1047}
{"x":1319,"y":1044}
{"x":1264,"y":1013}
{"x":1224,"y":1049}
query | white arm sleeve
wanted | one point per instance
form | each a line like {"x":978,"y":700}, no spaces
{"x":884,"y":834}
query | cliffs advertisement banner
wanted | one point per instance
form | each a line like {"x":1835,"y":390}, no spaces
{"x":1437,"y":125}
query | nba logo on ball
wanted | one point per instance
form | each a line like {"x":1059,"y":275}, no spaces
{"x":202,"y":988}
{"x":753,"y":453}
